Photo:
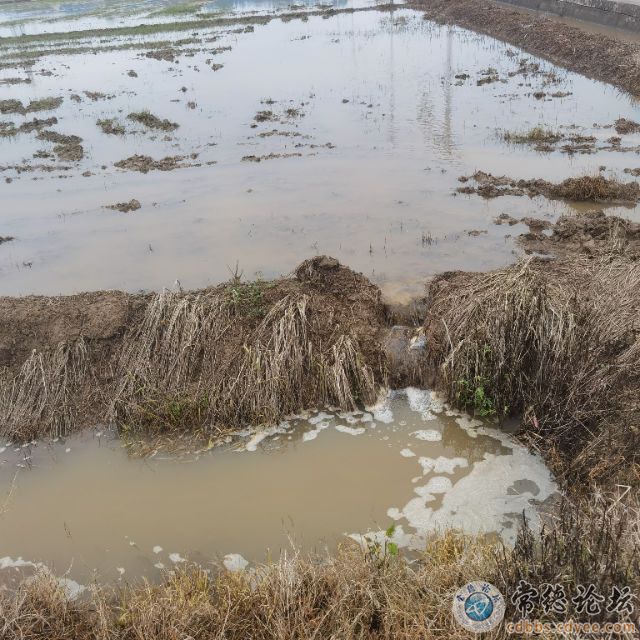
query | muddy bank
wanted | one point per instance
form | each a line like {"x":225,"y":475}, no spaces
{"x":595,"y":56}
{"x":581,"y":189}
{"x":251,"y":352}
{"x":553,"y":340}
{"x":241,"y":353}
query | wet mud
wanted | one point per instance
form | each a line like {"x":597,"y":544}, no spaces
{"x":596,"y":56}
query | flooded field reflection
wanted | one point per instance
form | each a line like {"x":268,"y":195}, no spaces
{"x":334,"y":133}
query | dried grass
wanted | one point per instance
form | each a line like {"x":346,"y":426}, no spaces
{"x":554,"y":342}
{"x":203,"y":362}
{"x":353,"y":594}
{"x":196,"y":360}
{"x":43,"y":396}
{"x":594,"y":189}
{"x":39,"y":608}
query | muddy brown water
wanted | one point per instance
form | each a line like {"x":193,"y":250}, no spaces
{"x":87,"y":509}
{"x":386,"y":130}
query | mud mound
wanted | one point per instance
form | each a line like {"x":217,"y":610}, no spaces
{"x":111,"y":126}
{"x":580,"y":189}
{"x":554,"y":341}
{"x":125,"y":207}
{"x":594,"y":189}
{"x":623,"y":126}
{"x":42,"y":104}
{"x":589,"y":233}
{"x":153,"y":122}
{"x":144,"y":164}
{"x":210,"y":360}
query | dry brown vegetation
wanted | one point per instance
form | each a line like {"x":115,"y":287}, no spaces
{"x":152,"y":121}
{"x":553,"y":341}
{"x":211,"y":360}
{"x":356,"y":593}
{"x":352,"y":595}
{"x":579,"y":189}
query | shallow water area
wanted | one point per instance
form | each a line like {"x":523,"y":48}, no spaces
{"x":90,"y":511}
{"x":338,"y":133}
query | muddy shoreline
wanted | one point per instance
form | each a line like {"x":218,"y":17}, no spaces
{"x":595,"y":56}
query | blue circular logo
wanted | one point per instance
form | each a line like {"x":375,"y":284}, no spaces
{"x":478,"y":606}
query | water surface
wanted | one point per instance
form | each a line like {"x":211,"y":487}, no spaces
{"x":88,"y":510}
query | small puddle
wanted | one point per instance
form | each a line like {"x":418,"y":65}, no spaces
{"x":88,"y":510}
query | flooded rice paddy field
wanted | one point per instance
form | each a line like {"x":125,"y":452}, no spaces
{"x":86,"y":509}
{"x":279,"y":132}
{"x":174,"y":142}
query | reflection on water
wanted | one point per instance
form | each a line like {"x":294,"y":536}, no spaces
{"x":88,"y":510}
{"x":385,"y":127}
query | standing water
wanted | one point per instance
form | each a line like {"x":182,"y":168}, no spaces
{"x":337,"y":133}
{"x":89,"y":511}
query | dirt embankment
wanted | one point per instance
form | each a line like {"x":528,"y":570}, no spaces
{"x":556,"y":341}
{"x":595,"y":56}
{"x":210,"y":360}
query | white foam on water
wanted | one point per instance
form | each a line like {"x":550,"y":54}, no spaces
{"x":257,"y":438}
{"x":437,"y":484}
{"x":159,"y":565}
{"x":480,"y":501}
{"x":176,"y":558}
{"x":347,"y":414}
{"x":407,"y":453}
{"x":429,"y":435}
{"x":398,"y":537}
{"x":157,"y":549}
{"x":320,"y":417}
{"x":441,"y":464}
{"x":381,"y":411}
{"x":469,"y":424}
{"x":18,"y":563}
{"x":307,"y":436}
{"x":421,"y":402}
{"x":235,"y":562}
{"x":352,"y":431}
{"x":71,"y":588}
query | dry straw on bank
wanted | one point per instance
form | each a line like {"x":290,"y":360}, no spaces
{"x":362,"y":594}
{"x":196,"y":361}
{"x":555,"y":342}
{"x":43,"y":396}
{"x":354,"y":594}
{"x":237,"y":355}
